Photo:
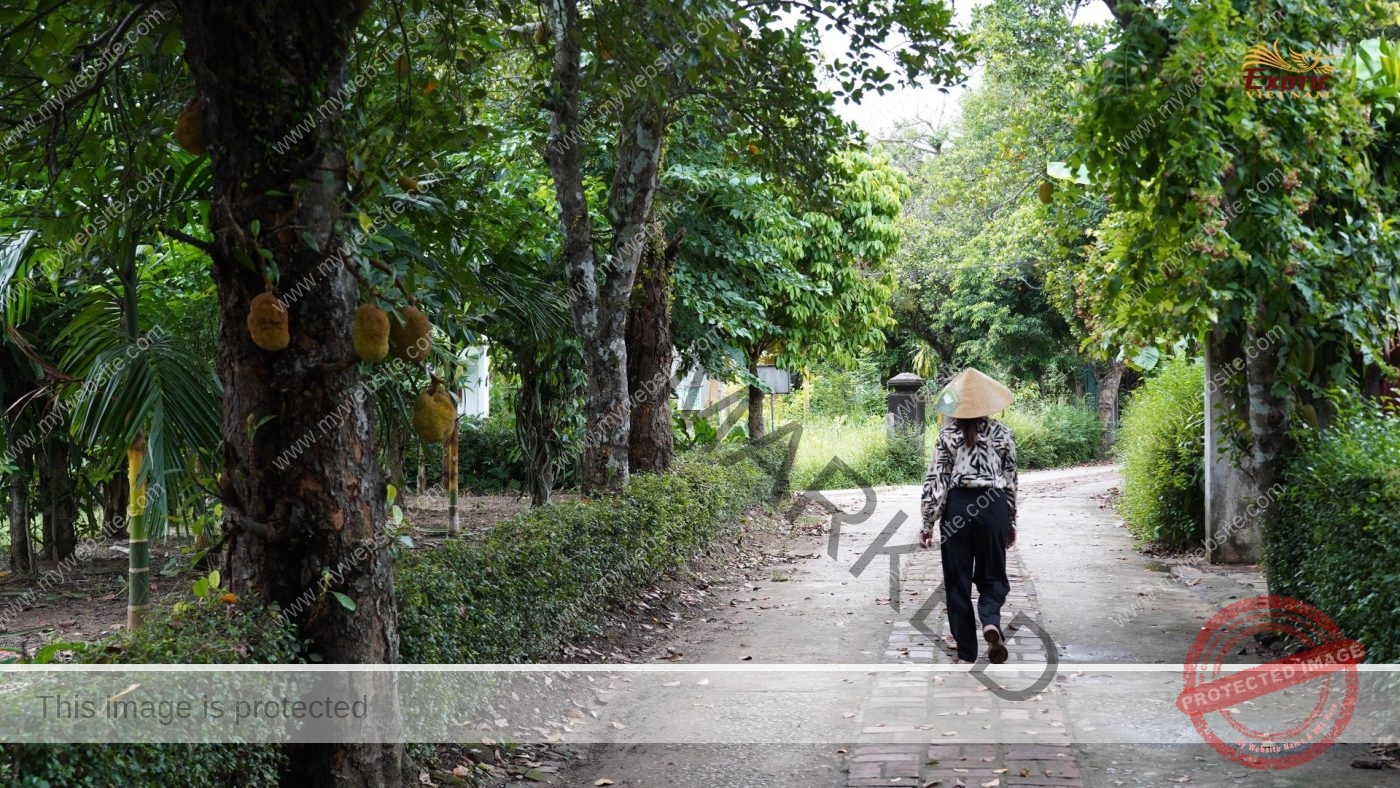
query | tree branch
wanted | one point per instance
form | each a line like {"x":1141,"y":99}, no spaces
{"x":204,"y":246}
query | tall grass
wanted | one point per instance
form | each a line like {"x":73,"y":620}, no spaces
{"x":1047,"y":436}
{"x":862,"y":445}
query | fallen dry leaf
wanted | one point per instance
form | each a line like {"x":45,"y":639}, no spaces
{"x":602,"y":781}
{"x":460,"y":771}
{"x":618,"y":725}
{"x":703,"y":682}
{"x":671,"y":684}
{"x":1185,"y":778}
{"x":950,"y":733}
{"x":849,"y":714}
{"x":1025,"y":772}
{"x":1002,"y":770}
{"x":992,"y":783}
{"x":425,"y":779}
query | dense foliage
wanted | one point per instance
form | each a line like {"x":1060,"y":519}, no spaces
{"x":977,"y":271}
{"x":1162,"y":448}
{"x":1053,"y":435}
{"x":203,"y":632}
{"x":1337,"y":544}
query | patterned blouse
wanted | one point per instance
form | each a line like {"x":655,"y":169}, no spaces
{"x":991,"y":463}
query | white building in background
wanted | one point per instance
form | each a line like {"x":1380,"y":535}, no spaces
{"x":698,"y":391}
{"x":474,"y":399}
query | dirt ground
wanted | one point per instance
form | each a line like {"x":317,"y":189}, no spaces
{"x":88,"y":601}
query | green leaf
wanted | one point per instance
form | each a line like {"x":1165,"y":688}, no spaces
{"x":345,"y":601}
{"x":1146,"y":359}
{"x":1061,"y":171}
{"x":45,"y":655}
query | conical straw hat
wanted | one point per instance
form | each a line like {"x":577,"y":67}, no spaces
{"x":972,"y":394}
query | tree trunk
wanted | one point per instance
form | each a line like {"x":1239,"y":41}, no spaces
{"x":756,"y":431}
{"x":600,"y":308}
{"x":114,"y":506}
{"x":396,"y":451}
{"x":535,"y":423}
{"x":16,"y":381}
{"x":548,"y":384}
{"x":650,"y":356}
{"x":1108,"y":403}
{"x":61,"y":508}
{"x":262,"y":67}
{"x":1269,"y":444}
{"x":21,"y":555}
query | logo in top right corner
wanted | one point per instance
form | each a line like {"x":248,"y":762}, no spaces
{"x":1270,"y":71}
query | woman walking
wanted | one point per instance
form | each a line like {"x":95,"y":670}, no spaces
{"x":970,"y":496}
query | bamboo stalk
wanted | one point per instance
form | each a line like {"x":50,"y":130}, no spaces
{"x":449,"y":471}
{"x":139,"y":566}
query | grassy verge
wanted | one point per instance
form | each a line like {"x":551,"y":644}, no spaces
{"x":550,"y":574}
{"x":1047,"y":436}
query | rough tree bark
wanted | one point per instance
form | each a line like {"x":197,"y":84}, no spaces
{"x":599,"y":304}
{"x":756,"y":428}
{"x":114,"y":506}
{"x":16,"y":380}
{"x":261,"y":68}
{"x":21,"y":562}
{"x":1108,"y":402}
{"x":650,"y":355}
{"x":1269,"y":444}
{"x":61,"y":504}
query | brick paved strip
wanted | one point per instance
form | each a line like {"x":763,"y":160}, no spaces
{"x":917,"y":732}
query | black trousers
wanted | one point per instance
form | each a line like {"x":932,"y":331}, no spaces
{"x":976,"y":523}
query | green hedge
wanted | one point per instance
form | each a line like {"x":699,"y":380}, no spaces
{"x":188,"y":633}
{"x":548,"y":575}
{"x":1337,"y":544}
{"x":1161,"y":444}
{"x":1054,"y":435}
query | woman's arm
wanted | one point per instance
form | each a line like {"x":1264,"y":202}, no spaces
{"x":1007,"y":450}
{"x":940,"y":475}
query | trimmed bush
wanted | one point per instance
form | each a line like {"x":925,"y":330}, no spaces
{"x":1337,"y":545}
{"x":1161,"y":443}
{"x":188,"y":633}
{"x":549,"y":574}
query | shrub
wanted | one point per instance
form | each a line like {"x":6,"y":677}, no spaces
{"x":548,"y":575}
{"x":489,"y":457}
{"x":1051,"y":435}
{"x":865,"y":448}
{"x":1047,"y":436}
{"x":187,"y":633}
{"x":1337,"y":544}
{"x":1161,"y":444}
{"x":831,"y":392}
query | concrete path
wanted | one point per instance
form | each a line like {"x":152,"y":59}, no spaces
{"x":1076,"y":578}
